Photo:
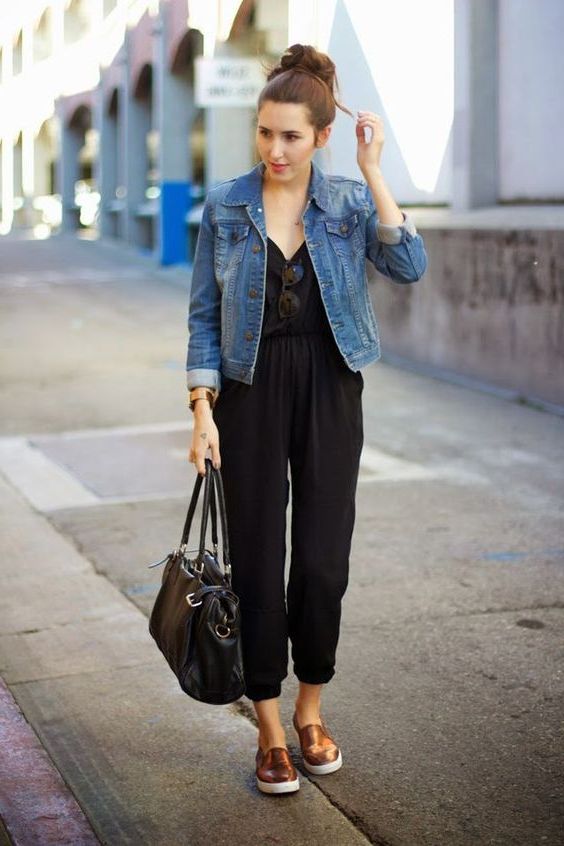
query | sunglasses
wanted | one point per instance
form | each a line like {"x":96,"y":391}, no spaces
{"x":289,"y":302}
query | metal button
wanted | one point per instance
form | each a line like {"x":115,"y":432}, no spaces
{"x":259,"y":209}
{"x":249,"y":336}
{"x":233,"y":236}
{"x":344,"y":228}
{"x":253,"y":293}
{"x":256,"y":248}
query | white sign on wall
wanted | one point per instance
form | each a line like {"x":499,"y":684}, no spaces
{"x":228,"y":81}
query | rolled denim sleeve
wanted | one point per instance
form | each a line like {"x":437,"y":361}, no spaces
{"x":396,"y":251}
{"x":393,"y":234}
{"x":203,"y":359}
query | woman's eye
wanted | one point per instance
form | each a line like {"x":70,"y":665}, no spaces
{"x":292,"y":137}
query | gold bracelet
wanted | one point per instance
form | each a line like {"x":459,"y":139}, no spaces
{"x":201,"y":393}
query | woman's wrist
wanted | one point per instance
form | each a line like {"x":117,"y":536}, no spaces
{"x":372,"y":172}
{"x":202,"y":408}
{"x":388,"y":210}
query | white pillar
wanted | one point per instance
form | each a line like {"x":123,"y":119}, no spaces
{"x":475,"y":133}
{"x":7,"y":165}
{"x":135,"y":116}
{"x":174,"y":111}
{"x":224,"y":125}
{"x":107,"y":162}
{"x":67,"y":171}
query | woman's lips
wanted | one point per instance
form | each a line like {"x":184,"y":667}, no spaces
{"x":277,"y":168}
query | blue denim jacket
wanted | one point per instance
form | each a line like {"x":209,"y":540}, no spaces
{"x":228,"y":278}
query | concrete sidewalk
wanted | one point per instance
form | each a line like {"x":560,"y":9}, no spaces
{"x":448,"y":696}
{"x":146,"y":763}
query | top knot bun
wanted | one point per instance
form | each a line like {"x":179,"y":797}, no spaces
{"x":304,"y":75}
{"x":306,"y":59}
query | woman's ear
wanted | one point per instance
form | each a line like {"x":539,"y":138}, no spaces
{"x":323,"y":136}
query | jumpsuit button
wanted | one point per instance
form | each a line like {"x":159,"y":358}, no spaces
{"x":253,"y":292}
{"x":344,"y":228}
{"x":256,"y":248}
{"x":249,"y":336}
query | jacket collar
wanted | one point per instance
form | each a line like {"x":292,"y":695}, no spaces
{"x":247,"y":188}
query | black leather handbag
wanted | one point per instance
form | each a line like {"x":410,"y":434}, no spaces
{"x":195,"y":620}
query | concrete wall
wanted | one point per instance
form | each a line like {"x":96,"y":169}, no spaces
{"x":491,"y":307}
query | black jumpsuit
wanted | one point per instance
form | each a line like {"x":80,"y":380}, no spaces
{"x":304,"y":407}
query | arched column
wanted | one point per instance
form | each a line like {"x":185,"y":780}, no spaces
{"x":68,"y":166}
{"x":44,"y":159}
{"x":137,"y":123}
{"x":108,"y":122}
{"x":175,"y":113}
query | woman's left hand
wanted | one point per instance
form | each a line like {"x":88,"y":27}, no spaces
{"x":369,"y":151}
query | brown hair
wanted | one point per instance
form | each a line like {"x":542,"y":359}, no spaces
{"x":304,"y":75}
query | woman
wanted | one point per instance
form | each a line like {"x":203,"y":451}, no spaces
{"x":280,"y":325}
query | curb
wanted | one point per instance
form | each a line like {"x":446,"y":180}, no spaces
{"x":36,"y":806}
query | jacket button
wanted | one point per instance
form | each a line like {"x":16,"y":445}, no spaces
{"x":256,"y":248}
{"x":253,"y":292}
{"x":344,"y":228}
{"x":249,"y":336}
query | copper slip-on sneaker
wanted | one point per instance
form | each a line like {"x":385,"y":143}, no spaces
{"x":275,"y":771}
{"x":320,"y":752}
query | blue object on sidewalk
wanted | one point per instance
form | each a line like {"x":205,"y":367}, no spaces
{"x":175,"y":204}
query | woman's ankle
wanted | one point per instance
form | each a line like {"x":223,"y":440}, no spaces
{"x":307,"y":704}
{"x":307,"y":716}
{"x":270,"y":737}
{"x":307,"y":713}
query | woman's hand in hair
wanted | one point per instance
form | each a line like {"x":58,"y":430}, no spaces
{"x":370,"y":139}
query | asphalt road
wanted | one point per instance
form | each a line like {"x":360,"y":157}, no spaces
{"x":447,"y":700}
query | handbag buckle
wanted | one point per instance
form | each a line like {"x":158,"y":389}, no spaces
{"x":224,"y":627}
{"x":190,"y":601}
{"x":198,"y":570}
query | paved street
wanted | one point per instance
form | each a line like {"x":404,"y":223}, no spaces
{"x":448,"y":697}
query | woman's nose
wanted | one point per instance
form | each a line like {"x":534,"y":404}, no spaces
{"x":276,"y":150}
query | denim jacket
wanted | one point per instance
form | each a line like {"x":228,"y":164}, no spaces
{"x":228,"y":277}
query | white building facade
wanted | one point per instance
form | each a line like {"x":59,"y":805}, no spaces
{"x":100,"y":125}
{"x":108,"y":126}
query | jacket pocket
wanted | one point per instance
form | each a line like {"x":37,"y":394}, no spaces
{"x":232,"y":233}
{"x":343,"y":228}
{"x":230,"y":242}
{"x":346,"y":238}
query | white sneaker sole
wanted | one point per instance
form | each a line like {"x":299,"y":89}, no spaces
{"x":278,"y":786}
{"x":324,"y":769}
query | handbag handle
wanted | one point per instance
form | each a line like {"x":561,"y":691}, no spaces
{"x":218,"y":483}
{"x":209,"y":499}
{"x":190,"y":516}
{"x":212,"y":480}
{"x":213,"y":512}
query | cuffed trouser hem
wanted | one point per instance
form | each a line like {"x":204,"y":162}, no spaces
{"x":314,"y":677}
{"x":257,"y":692}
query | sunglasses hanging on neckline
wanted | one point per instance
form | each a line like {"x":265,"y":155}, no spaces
{"x":289,"y":302}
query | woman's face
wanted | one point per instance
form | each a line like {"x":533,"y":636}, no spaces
{"x":286,"y":140}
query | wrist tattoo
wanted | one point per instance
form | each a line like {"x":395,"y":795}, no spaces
{"x":204,"y":436}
